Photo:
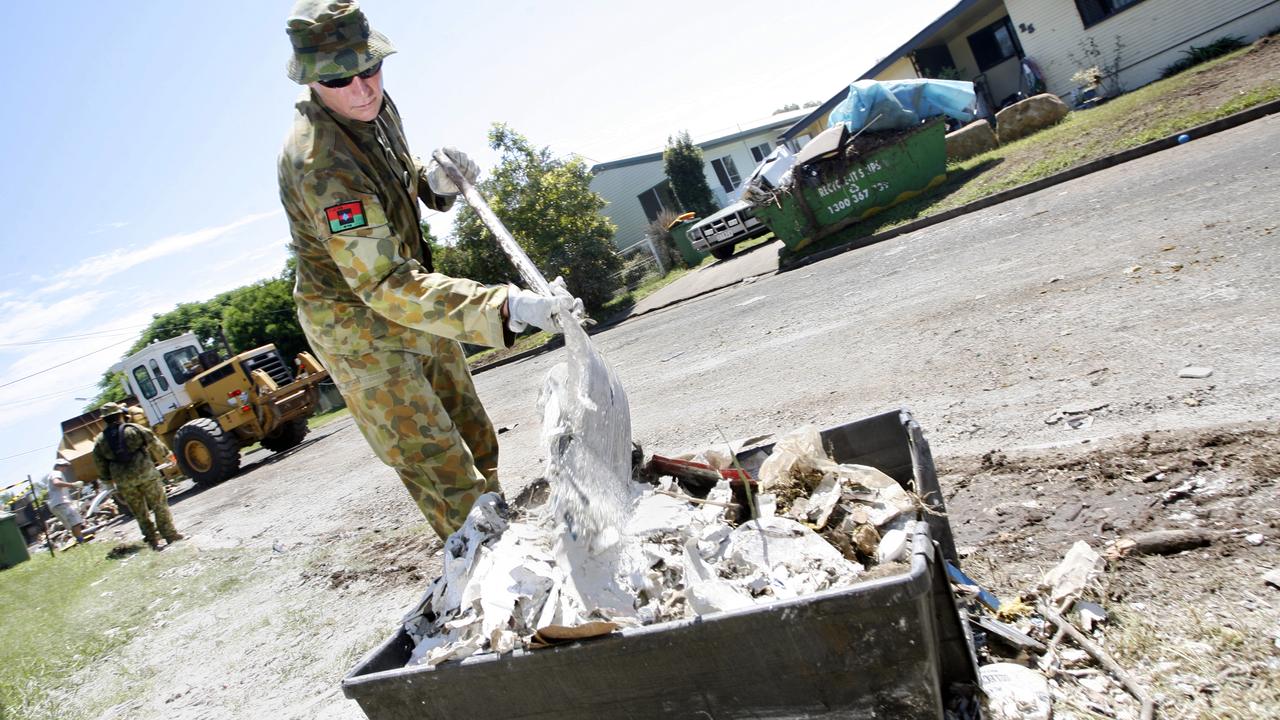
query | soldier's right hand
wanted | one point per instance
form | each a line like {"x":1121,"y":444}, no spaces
{"x":525,"y":308}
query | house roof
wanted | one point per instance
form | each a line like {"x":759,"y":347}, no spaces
{"x":773,"y":121}
{"x":915,"y":43}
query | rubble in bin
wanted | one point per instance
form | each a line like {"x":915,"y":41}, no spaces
{"x":818,"y":526}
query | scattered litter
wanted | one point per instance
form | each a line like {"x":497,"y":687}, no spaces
{"x":1254,"y":539}
{"x":755,"y":299}
{"x":1011,"y":635}
{"x":985,"y":597}
{"x":1090,"y":614}
{"x":1075,"y":573}
{"x":1014,"y":692}
{"x":1133,"y":269}
{"x":1195,"y":372}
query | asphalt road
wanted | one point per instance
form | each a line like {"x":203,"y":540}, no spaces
{"x":1091,"y":295}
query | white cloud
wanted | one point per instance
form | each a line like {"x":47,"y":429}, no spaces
{"x":26,"y":320}
{"x":116,"y":261}
{"x":104,"y":227}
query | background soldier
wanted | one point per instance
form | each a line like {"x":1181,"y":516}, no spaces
{"x":385,"y":324}
{"x":126,"y":456}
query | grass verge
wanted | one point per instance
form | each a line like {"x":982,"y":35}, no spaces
{"x":1155,"y":111}
{"x":65,"y":614}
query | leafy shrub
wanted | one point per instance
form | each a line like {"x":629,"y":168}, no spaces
{"x":1197,"y":55}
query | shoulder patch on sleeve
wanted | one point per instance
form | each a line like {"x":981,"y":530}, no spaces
{"x":345,"y":216}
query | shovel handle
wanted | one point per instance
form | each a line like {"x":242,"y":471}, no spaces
{"x":528,"y":271}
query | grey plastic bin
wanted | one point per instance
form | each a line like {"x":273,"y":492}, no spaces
{"x":884,"y":648}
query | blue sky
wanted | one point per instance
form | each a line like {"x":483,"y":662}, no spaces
{"x":140,"y":139}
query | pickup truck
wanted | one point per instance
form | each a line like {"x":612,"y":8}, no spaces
{"x":720,"y":233}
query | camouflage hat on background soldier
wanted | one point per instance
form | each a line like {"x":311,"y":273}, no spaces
{"x":109,"y":409}
{"x":332,"y":40}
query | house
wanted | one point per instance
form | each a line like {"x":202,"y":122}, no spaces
{"x":985,"y":41}
{"x":637,"y":189}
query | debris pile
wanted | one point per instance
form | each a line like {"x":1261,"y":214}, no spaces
{"x":698,"y":540}
{"x":1031,"y":630}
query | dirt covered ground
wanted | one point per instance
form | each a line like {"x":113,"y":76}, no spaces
{"x":1199,"y":628}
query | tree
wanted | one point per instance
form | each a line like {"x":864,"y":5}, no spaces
{"x":547,"y":204}
{"x":786,"y":108}
{"x":248,"y":316}
{"x":683,"y":163}
{"x":263,"y":313}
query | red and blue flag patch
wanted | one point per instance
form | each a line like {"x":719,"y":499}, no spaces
{"x":346,"y":216}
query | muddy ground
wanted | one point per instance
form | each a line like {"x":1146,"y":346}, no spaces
{"x":1037,"y":342}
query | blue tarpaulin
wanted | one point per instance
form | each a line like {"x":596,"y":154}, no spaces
{"x":903,"y":103}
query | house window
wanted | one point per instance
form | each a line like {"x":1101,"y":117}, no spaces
{"x":1093,"y":12}
{"x":726,"y":173}
{"x":761,"y":151}
{"x":994,"y":44}
{"x":658,"y":198}
{"x":147,"y":387}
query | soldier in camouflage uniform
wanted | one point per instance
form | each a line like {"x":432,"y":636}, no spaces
{"x":383,"y":322}
{"x":126,"y":456}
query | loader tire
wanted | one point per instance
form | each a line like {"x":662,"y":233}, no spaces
{"x":286,"y":436}
{"x":205,"y":452}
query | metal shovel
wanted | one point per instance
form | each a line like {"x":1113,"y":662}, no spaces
{"x":588,"y":424}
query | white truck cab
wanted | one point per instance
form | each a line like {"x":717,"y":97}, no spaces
{"x":156,"y":374}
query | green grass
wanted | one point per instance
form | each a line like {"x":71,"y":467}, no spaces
{"x":1150,"y":113}
{"x":319,"y":421}
{"x":66,"y":613}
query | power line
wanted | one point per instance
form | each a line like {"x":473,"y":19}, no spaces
{"x":64,"y":391}
{"x":116,"y":331}
{"x":27,"y":452}
{"x":67,"y":362}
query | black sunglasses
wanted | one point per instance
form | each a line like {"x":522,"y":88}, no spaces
{"x":343,"y":82}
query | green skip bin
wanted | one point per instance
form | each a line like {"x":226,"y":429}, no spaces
{"x":876,"y":172}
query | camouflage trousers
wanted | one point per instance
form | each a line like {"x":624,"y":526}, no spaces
{"x":145,"y":497}
{"x":421,"y":415}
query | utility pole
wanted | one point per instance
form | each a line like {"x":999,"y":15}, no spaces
{"x":39,"y":513}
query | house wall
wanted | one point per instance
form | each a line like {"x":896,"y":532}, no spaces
{"x":1153,"y":34}
{"x":621,"y":186}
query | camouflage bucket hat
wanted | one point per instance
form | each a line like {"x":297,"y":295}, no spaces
{"x":109,"y":409}
{"x":331,"y":40}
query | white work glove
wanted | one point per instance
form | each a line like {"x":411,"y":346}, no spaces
{"x":525,"y":308}
{"x":438,"y":180}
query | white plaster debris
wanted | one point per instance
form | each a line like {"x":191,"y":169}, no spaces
{"x":502,"y":581}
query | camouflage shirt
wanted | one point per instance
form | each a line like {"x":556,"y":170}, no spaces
{"x":364,"y":276}
{"x":128,"y":456}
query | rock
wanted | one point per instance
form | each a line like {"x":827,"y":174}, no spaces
{"x":1272,"y":578}
{"x":1029,"y":116}
{"x":1195,"y":372}
{"x":1254,"y":539}
{"x":973,"y":139}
